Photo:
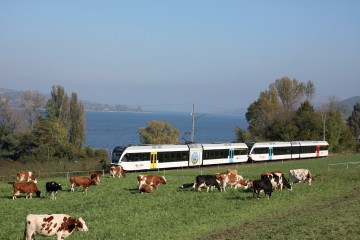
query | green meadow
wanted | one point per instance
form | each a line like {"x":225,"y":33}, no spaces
{"x":328,"y":209}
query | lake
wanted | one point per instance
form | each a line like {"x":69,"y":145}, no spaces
{"x":109,"y":129}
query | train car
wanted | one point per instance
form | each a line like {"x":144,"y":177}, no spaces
{"x":264,"y":151}
{"x":149,"y":157}
{"x":313,"y":149}
{"x":224,"y":153}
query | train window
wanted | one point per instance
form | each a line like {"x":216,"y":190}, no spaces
{"x":172,"y":156}
{"x":216,"y":154}
{"x":323,"y":148}
{"x":133,"y":157}
{"x":240,"y":151}
{"x":260,"y":151}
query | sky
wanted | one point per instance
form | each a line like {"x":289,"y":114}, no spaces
{"x":217,"y":55}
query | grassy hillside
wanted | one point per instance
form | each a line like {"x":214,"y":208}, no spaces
{"x":328,"y":209}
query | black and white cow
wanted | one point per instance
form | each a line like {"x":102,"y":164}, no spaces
{"x":47,"y":225}
{"x":206,"y":181}
{"x":52,"y":188}
{"x":188,"y":185}
{"x":277,"y":179}
{"x":263,"y":184}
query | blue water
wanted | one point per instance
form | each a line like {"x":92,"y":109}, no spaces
{"x":109,"y":129}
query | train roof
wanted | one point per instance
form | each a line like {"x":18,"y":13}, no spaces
{"x":208,"y":146}
{"x":157,"y":148}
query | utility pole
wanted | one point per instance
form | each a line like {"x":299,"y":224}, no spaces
{"x":193,"y":124}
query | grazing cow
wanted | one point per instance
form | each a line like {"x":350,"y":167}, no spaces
{"x":263,"y":184}
{"x":208,"y":181}
{"x":25,"y":187}
{"x":187,"y":185}
{"x":48,"y":225}
{"x":85,"y":182}
{"x":152,"y":180}
{"x":233,"y":180}
{"x":146,"y":188}
{"x":117,"y":170}
{"x":300,"y":175}
{"x":96,"y":176}
{"x":277,"y":180}
{"x":25,"y":176}
{"x":52,"y":188}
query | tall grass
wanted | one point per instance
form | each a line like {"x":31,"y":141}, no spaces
{"x":114,"y":209}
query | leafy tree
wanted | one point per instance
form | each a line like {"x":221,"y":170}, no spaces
{"x":354,"y":121}
{"x":10,"y":121}
{"x":242,"y":135}
{"x":308,"y":122}
{"x":32,"y":103}
{"x":77,"y":122}
{"x":158,"y":132}
{"x":337,"y":131}
{"x":271,"y":116}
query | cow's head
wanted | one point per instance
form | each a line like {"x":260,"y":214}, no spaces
{"x":80,"y":225}
{"x":163,"y":180}
{"x":38,"y":193}
{"x":94,"y":182}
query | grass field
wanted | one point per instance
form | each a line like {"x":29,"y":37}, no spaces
{"x":328,"y":209}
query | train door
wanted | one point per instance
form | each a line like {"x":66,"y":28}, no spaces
{"x":231,"y":155}
{"x":271,"y":153}
{"x":153,"y":160}
{"x":318,"y":150}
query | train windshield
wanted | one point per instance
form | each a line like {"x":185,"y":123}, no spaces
{"x":116,"y":154}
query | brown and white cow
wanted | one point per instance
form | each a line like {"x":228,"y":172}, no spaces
{"x":300,"y":175}
{"x":277,"y":180}
{"x":48,"y":225}
{"x":85,"y":182}
{"x":25,"y":187}
{"x":96,"y":176}
{"x":233,"y":181}
{"x":25,"y":176}
{"x":152,"y":180}
{"x":146,"y":188}
{"x":117,"y":170}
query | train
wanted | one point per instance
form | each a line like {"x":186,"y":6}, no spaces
{"x":167,"y":156}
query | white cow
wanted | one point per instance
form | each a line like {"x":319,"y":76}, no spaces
{"x":48,"y":225}
{"x":300,"y":175}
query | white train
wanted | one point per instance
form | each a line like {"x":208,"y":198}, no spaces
{"x":148,"y":157}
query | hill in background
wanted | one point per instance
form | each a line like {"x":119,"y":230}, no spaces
{"x":14,"y":95}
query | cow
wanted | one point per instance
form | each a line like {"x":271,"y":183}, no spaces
{"x":117,"y":170}
{"x":300,"y":175}
{"x":221,"y":177}
{"x":52,"y":188}
{"x":263,"y":184}
{"x":85,"y":182}
{"x":234,"y":181}
{"x":146,"y":188}
{"x":25,"y":187}
{"x":277,"y":180}
{"x":96,"y":176}
{"x":208,"y":181}
{"x":48,"y":225}
{"x":152,"y":180}
{"x":25,"y":176}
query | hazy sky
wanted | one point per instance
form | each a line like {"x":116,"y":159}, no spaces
{"x":215,"y":54}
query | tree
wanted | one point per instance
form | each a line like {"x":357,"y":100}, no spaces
{"x":158,"y":132}
{"x":32,"y":102}
{"x":271,"y":116}
{"x":354,"y":121}
{"x":77,"y":122}
{"x":10,"y":121}
{"x":308,"y":122}
{"x":242,"y":135}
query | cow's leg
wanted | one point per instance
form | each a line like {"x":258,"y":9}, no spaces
{"x":30,"y":234}
{"x":84,"y":189}
{"x":72,"y":187}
